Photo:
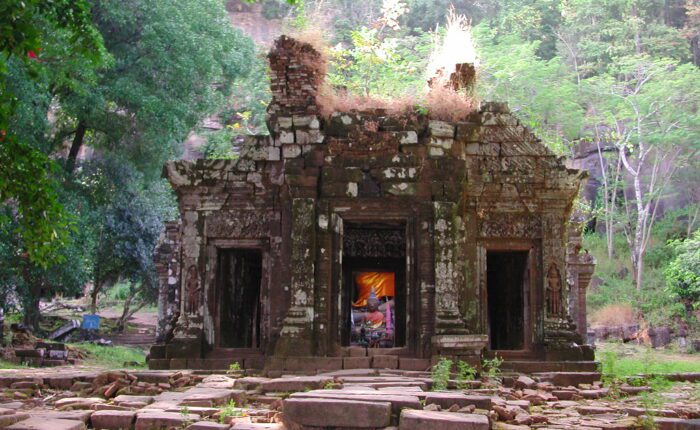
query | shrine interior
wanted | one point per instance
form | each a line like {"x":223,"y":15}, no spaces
{"x":506,"y":285}
{"x":374,"y":287}
{"x":240,"y":273}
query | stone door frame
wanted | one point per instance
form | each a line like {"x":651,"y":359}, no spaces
{"x":412,"y":320}
{"x":213,"y":248}
{"x":532,"y":296}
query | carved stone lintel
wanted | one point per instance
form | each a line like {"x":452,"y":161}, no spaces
{"x":238,"y":224}
{"x":514,"y":226}
{"x":374,"y":243}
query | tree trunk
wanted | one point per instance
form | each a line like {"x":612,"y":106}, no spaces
{"x":638,"y":242}
{"x":128,"y":312}
{"x":93,"y":298}
{"x":32,"y":313}
{"x":75,"y":146}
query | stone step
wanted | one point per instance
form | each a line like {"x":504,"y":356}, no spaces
{"x":532,"y":366}
{"x":565,"y":379}
{"x":430,"y":420}
{"x":336,"y":413}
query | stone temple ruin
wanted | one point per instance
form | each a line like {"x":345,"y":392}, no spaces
{"x":368,"y":239}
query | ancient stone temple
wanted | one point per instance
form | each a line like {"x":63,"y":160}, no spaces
{"x":367,"y":239}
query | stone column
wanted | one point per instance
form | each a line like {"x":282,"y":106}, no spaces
{"x":296,"y":337}
{"x":451,"y":336}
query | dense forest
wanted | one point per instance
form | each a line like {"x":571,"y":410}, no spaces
{"x":98,"y":94}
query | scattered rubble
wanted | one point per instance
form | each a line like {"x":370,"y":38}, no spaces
{"x":362,"y":398}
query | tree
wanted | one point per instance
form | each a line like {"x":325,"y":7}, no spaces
{"x":648,"y":106}
{"x":683,"y":272}
{"x":542,"y":93}
{"x":129,"y":215}
{"x":26,"y":178}
{"x":174,"y":62}
{"x":162,"y":68}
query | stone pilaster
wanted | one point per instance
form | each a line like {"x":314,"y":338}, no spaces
{"x":451,"y":336}
{"x":296,"y":337}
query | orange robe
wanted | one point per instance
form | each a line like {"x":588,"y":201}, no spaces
{"x":382,"y":282}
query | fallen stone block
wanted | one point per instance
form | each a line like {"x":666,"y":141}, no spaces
{"x":77,"y":402}
{"x":125,"y":398}
{"x":208,"y":397}
{"x":208,"y":425}
{"x":79,"y":415}
{"x":663,"y":423}
{"x":337,"y":413}
{"x":429,"y":420}
{"x":7,"y":420}
{"x":447,"y":399}
{"x":113,"y":420}
{"x":298,"y":383}
{"x":154,"y":420}
{"x":257,"y":426}
{"x":398,"y":402}
{"x":524,"y":382}
{"x":594,"y":410}
{"x":249,"y":382}
{"x":47,"y":424}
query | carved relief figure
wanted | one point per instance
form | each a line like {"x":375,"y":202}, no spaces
{"x":554,"y":296}
{"x":192,"y":290}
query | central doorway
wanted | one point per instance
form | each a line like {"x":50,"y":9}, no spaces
{"x":373,"y":297}
{"x":507,"y":285}
{"x":239,"y":280}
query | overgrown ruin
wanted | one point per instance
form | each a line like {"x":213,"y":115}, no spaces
{"x":369,"y":239}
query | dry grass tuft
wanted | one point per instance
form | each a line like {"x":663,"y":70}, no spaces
{"x":618,"y":314}
{"x":440,"y":103}
{"x":330,"y":100}
{"x":448,"y":105}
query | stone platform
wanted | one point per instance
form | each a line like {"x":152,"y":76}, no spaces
{"x":346,"y":399}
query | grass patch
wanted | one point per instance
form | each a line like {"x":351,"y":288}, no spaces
{"x":4,"y":365}
{"x":620,"y":360}
{"x":113,"y":357}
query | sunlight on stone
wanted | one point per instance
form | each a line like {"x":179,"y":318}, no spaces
{"x":456,"y":46}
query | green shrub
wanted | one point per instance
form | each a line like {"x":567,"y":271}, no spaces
{"x":465,"y":373}
{"x":492,"y":367}
{"x":441,"y":374}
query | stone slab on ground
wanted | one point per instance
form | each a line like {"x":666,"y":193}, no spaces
{"x":337,"y":413}
{"x":430,"y":420}
{"x":126,"y":398}
{"x":565,"y":379}
{"x":257,"y":426}
{"x":47,"y":424}
{"x":208,"y":425}
{"x":447,"y":399}
{"x":113,"y":420}
{"x":154,"y":420}
{"x":398,"y":402}
{"x":77,"y":402}
{"x":208,"y":397}
{"x":201,"y":411}
{"x":77,"y":415}
{"x":297,"y":383}
{"x":663,"y":423}
{"x":217,"y":381}
{"x":9,"y":419}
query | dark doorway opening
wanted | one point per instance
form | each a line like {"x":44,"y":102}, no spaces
{"x":374,"y":286}
{"x":240,"y":273}
{"x":506,"y":275}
